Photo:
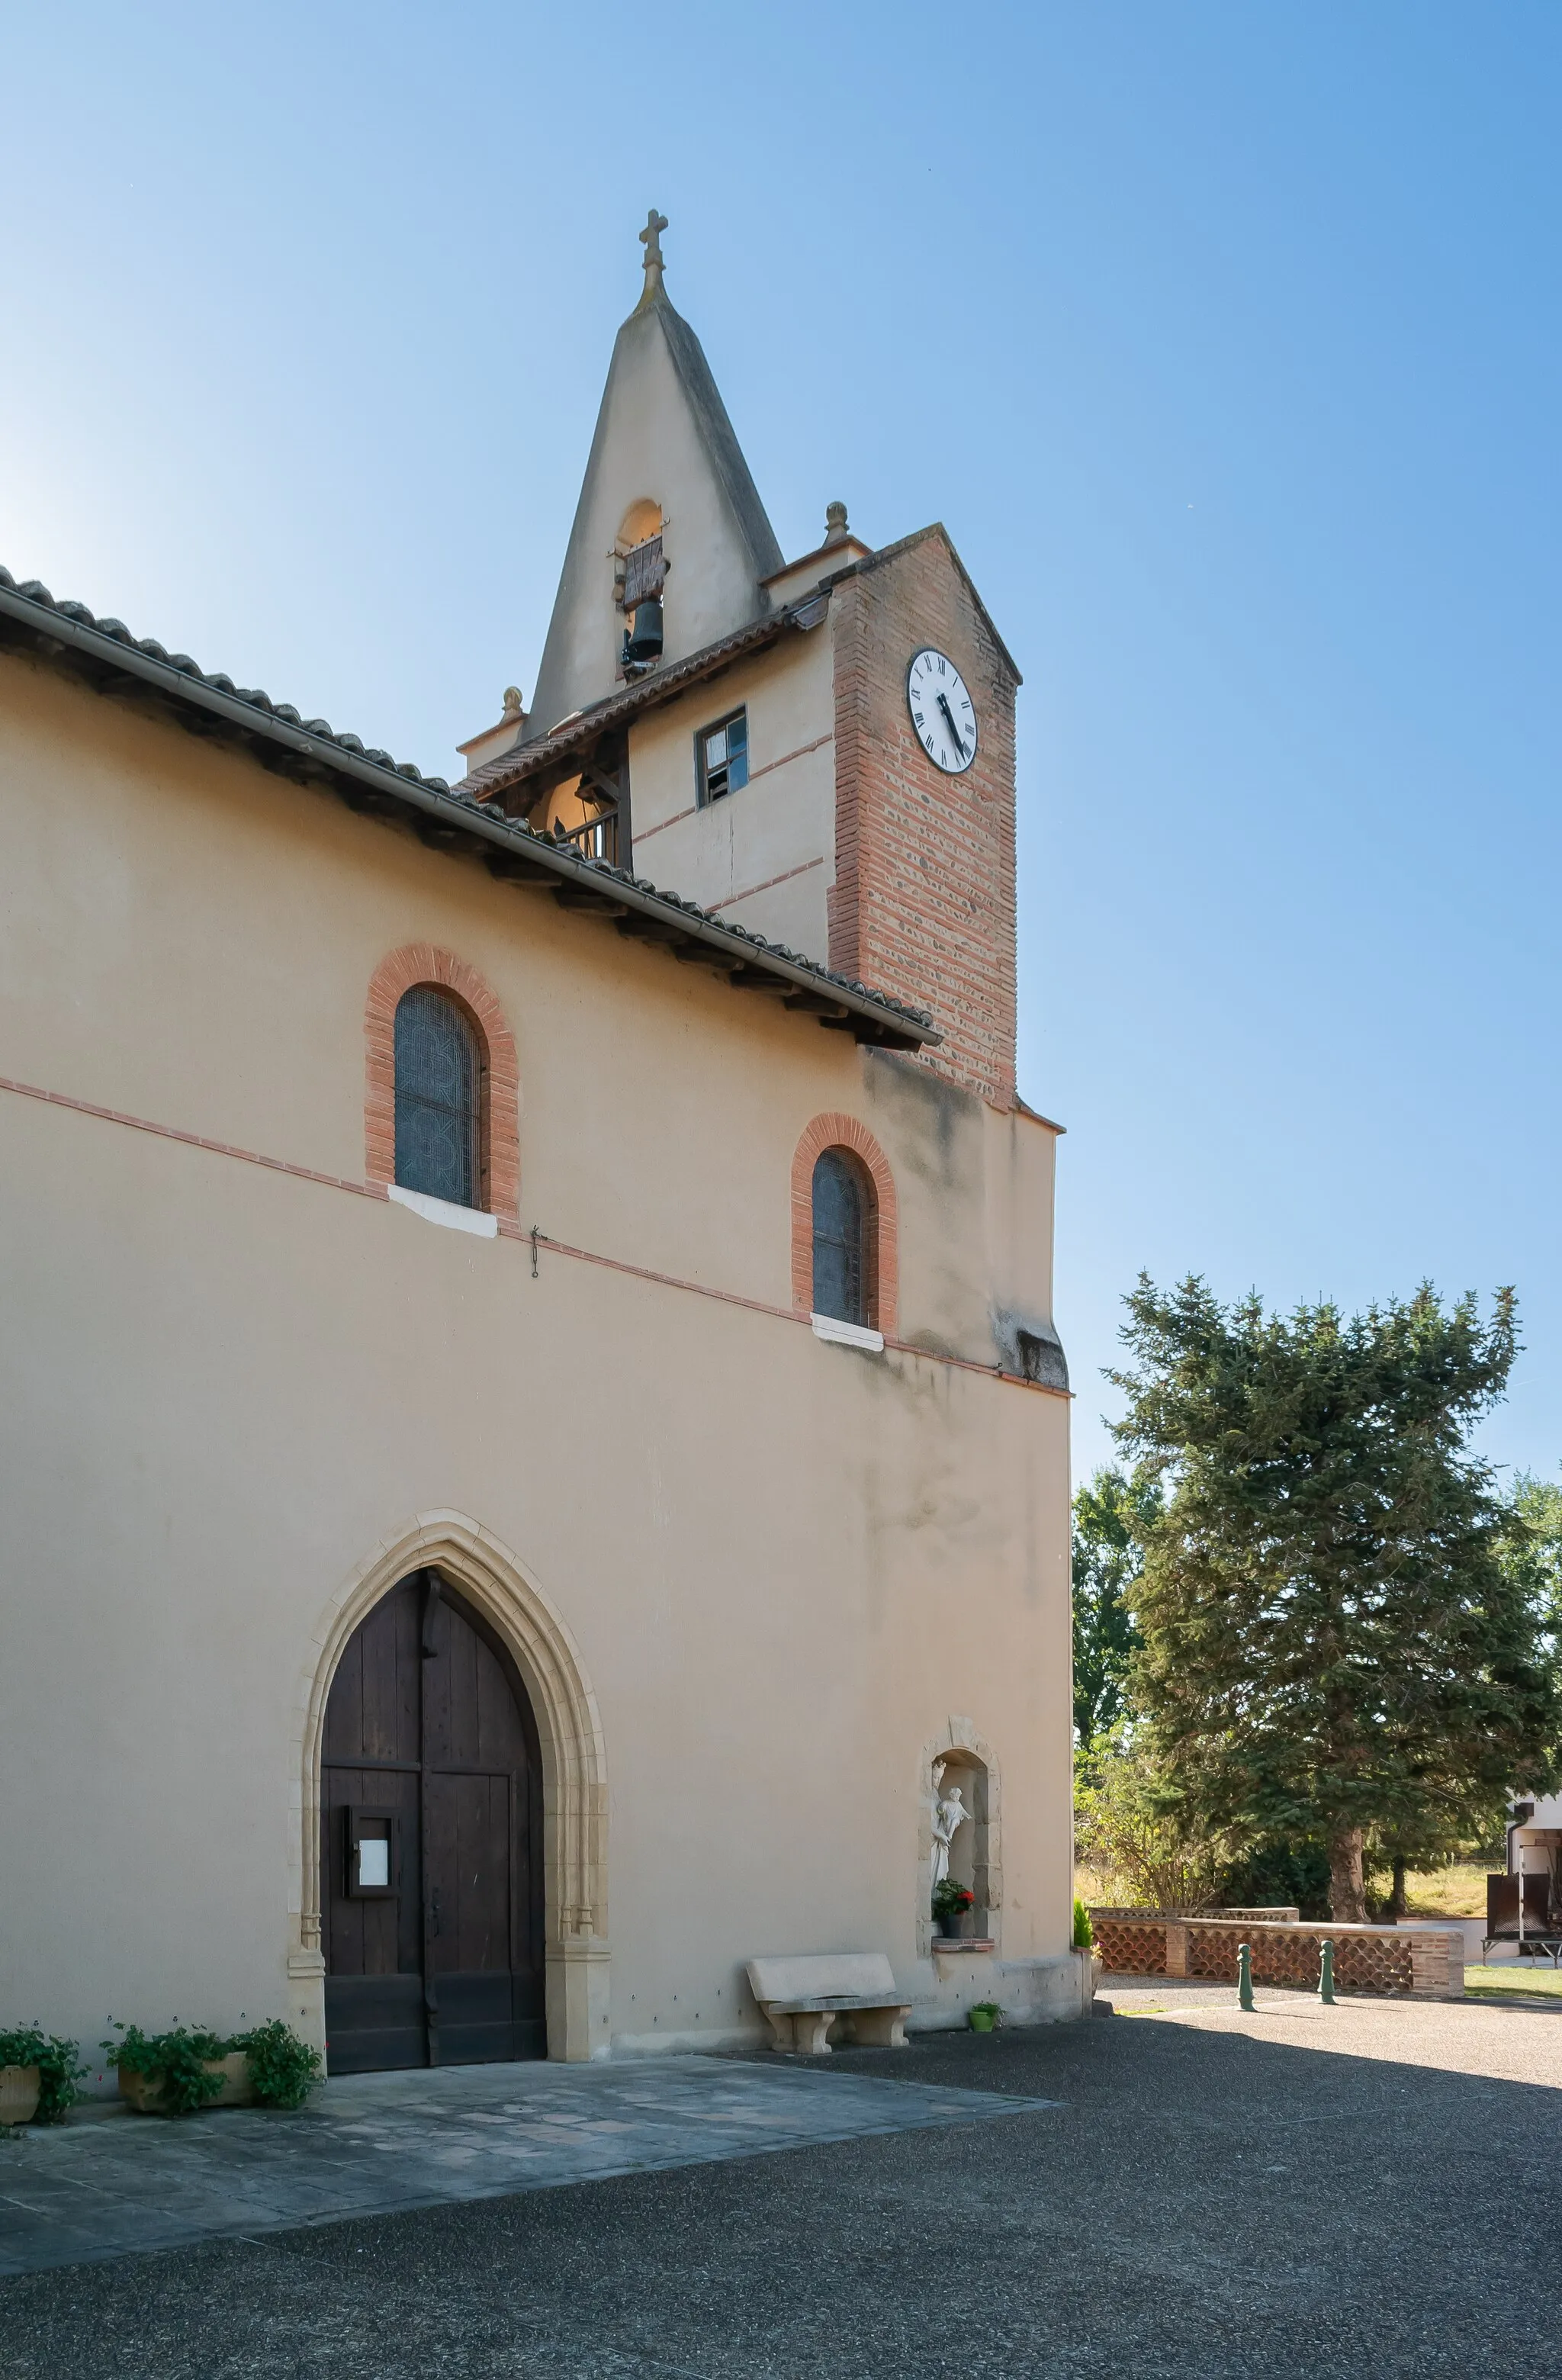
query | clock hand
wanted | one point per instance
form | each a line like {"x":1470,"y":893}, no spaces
{"x":959,"y":740}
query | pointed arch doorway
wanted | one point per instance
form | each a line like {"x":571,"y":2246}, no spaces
{"x":431,"y":1853}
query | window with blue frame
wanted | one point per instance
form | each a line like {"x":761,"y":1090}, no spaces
{"x":722,"y":758}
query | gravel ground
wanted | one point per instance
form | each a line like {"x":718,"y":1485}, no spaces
{"x":1291,"y":2192}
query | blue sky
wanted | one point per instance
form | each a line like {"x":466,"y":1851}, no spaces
{"x":1224,"y":339}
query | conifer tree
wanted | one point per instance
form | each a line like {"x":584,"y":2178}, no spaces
{"x":1532,"y":1550}
{"x":1331,"y":1637}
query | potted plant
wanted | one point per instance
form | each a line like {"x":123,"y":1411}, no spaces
{"x":951,"y":1903}
{"x":283,"y":2070}
{"x":984,"y":2017}
{"x":38,"y":2075}
{"x":177,"y":2072}
{"x":173,"y":2074}
{"x":1086,"y":1952}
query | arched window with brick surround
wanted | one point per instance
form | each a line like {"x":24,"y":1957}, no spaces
{"x":439,"y":1079}
{"x":844,"y":1226}
{"x":442,"y":1091}
{"x":840,"y":1202}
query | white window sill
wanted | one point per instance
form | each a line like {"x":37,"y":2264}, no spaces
{"x":445,"y":1211}
{"x":847,"y":1334}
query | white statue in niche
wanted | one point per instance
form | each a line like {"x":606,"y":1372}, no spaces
{"x":949,"y":1813}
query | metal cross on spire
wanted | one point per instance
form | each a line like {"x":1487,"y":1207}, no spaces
{"x":651,"y":237}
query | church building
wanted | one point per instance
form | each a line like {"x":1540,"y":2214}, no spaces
{"x":535,"y":1449}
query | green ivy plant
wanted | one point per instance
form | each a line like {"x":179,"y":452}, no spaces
{"x":178,"y":2063}
{"x":283,"y":2070}
{"x":58,"y":2063}
{"x":183,"y":2062}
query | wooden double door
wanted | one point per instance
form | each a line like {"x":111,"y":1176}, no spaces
{"x":431,"y":1842}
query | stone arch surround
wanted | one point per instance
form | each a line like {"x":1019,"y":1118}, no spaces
{"x":575,"y":1780}
{"x":958,"y":1739}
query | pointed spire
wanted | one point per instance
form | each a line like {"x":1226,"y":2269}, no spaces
{"x":664,"y":448}
{"x":655,"y":225}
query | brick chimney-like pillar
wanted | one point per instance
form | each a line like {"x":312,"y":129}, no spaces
{"x":923,"y":904}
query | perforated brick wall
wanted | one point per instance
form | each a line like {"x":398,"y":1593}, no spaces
{"x":1379,"y":1960}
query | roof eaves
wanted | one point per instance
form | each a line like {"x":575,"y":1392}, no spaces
{"x":656,"y":686}
{"x":107,"y":647}
{"x":855,"y":548}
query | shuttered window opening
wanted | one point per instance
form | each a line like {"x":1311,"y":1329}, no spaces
{"x":645,"y":573}
{"x":722,"y":758}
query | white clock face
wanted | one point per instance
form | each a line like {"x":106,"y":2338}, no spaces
{"x":942,"y":711}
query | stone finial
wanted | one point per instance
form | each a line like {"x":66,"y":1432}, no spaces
{"x":835,"y":529}
{"x":514,"y":706}
{"x":651,"y":237}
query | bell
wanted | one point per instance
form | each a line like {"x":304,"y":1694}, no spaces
{"x":644,"y":640}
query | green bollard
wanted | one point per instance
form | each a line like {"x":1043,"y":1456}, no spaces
{"x":1326,"y":1976}
{"x":1244,"y":1977}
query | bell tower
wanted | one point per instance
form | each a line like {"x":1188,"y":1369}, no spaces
{"x":820,"y":751}
{"x":670,"y":543}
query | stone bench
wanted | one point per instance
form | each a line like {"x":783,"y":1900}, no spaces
{"x":802,"y":1997}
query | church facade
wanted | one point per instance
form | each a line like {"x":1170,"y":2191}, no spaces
{"x":536,"y":1448}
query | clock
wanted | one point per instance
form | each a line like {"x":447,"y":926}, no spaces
{"x":942,"y":711}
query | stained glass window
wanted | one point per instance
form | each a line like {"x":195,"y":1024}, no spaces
{"x":437,"y":1076}
{"x":839,"y":1270}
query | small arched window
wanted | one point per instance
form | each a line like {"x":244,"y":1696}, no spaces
{"x":845,"y":1235}
{"x":438,"y":1078}
{"x":840,"y":1203}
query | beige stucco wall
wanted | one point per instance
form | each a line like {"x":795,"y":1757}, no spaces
{"x":765,"y":855}
{"x":786,"y":1565}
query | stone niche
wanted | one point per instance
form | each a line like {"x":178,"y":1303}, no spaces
{"x":970,"y":1859}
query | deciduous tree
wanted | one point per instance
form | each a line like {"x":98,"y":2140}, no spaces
{"x":1136,"y":1824}
{"x":1110,"y":1515}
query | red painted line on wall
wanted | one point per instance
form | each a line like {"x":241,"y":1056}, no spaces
{"x":781,"y":1312}
{"x":644,"y":834}
{"x":663,"y":1280}
{"x":508,"y":1227}
{"x":785,"y":878}
{"x":797,"y":753}
{"x":190,"y":1139}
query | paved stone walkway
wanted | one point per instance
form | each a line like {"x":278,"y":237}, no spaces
{"x":380,"y":2143}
